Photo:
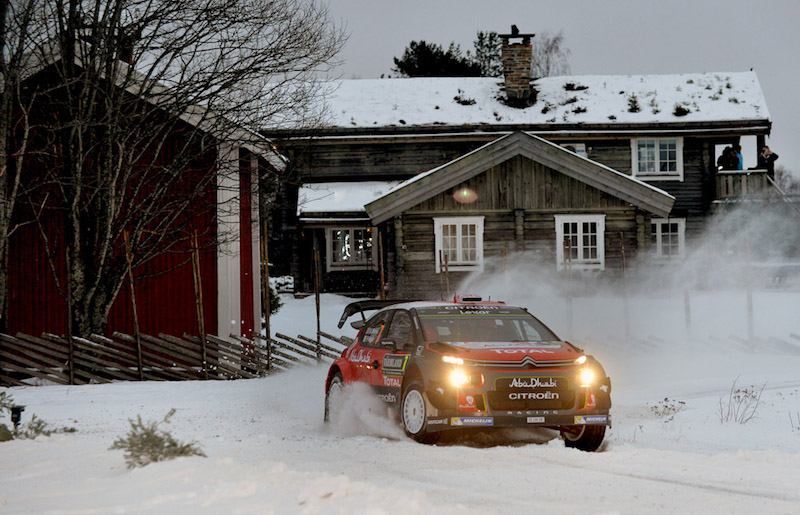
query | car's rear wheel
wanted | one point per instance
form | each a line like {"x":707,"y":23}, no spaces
{"x":334,"y":395}
{"x":586,"y":438}
{"x":414,"y":414}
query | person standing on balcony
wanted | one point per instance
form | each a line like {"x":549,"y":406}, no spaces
{"x":737,"y":151}
{"x":727,"y":160}
{"x":766,"y":161}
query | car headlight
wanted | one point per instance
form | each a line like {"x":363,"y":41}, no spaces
{"x":587,"y":377}
{"x":458,"y":378}
{"x":452,"y":359}
{"x":581,"y":360}
{"x":465,"y":378}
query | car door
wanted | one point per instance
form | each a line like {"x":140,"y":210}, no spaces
{"x":364,"y":355}
{"x":392,"y":354}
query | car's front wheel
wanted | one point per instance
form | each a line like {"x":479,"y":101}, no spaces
{"x":586,"y":438}
{"x":334,"y":395}
{"x":414,"y":414}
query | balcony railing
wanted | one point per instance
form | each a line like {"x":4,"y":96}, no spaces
{"x":741,"y":183}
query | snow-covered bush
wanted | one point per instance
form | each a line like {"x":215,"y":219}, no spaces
{"x":795,"y":426}
{"x":463,"y":100}
{"x":145,"y":443}
{"x":36,"y":427}
{"x":667,"y":409}
{"x":680,"y":110}
{"x":741,"y":404}
{"x":5,"y":405}
{"x":5,"y":402}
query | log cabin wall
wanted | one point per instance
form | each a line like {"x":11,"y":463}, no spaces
{"x":400,"y":158}
{"x":403,"y":156}
{"x":516,"y":192}
{"x":693,"y":195}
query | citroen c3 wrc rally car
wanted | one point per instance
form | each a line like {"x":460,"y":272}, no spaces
{"x":469,"y":363}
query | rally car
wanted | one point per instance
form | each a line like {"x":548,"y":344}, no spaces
{"x":468,"y":363}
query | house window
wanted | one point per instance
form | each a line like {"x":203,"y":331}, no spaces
{"x":350,"y":248}
{"x":667,"y":237}
{"x":459,"y":240}
{"x":657,"y":158}
{"x":580,"y":242}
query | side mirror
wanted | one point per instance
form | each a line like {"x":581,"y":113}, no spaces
{"x":357,"y":324}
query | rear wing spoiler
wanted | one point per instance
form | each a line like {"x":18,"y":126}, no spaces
{"x":365,"y":305}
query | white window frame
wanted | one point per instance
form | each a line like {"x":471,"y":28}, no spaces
{"x":656,"y":248}
{"x":460,"y":222}
{"x":581,"y":264}
{"x":371,"y":264}
{"x":658,"y":175}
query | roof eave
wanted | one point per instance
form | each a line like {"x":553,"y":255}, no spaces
{"x":755,"y":125}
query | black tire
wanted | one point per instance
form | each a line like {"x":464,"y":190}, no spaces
{"x":335,"y":386}
{"x":414,"y":414}
{"x":586,"y":438}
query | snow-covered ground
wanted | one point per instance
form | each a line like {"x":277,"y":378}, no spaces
{"x":269,"y":451}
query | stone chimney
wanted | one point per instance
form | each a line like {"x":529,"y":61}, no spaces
{"x":516,"y":56}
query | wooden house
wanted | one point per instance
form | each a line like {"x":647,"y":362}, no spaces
{"x":637,"y":152}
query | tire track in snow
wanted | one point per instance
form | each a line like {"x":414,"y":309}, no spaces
{"x":690,"y":484}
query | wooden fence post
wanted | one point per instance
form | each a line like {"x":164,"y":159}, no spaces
{"x":441,"y":276}
{"x":568,"y":263}
{"x":265,"y":301}
{"x":749,"y":289}
{"x":446,"y":277}
{"x":317,"y":286}
{"x":198,"y":298}
{"x":136,"y":332}
{"x":380,"y":264}
{"x":69,"y":323}
{"x":625,"y":307}
{"x":687,"y":311}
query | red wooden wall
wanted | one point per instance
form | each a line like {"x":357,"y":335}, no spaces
{"x":165,"y":302}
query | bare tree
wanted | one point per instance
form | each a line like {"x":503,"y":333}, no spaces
{"x":787,"y":180}
{"x":549,"y":57}
{"x":16,"y":32}
{"x":135,"y":102}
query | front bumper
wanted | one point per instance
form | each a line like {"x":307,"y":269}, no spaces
{"x":444,"y":420}
{"x":515,"y":400}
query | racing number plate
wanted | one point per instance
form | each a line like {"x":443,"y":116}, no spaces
{"x":394,"y":364}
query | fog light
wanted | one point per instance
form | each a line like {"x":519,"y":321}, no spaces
{"x":458,"y":378}
{"x":452,"y":359}
{"x":587,"y":377}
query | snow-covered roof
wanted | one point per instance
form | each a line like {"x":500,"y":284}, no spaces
{"x":595,"y":99}
{"x":340,"y":197}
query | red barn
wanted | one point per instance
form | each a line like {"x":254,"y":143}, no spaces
{"x":225,"y":217}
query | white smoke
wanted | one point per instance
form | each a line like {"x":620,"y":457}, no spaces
{"x":358,"y":412}
{"x":748,"y":255}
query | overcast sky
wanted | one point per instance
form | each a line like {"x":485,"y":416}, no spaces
{"x":605,"y":37}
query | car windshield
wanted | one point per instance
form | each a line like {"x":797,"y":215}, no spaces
{"x":480,"y":323}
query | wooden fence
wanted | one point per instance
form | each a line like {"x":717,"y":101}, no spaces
{"x":57,"y":359}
